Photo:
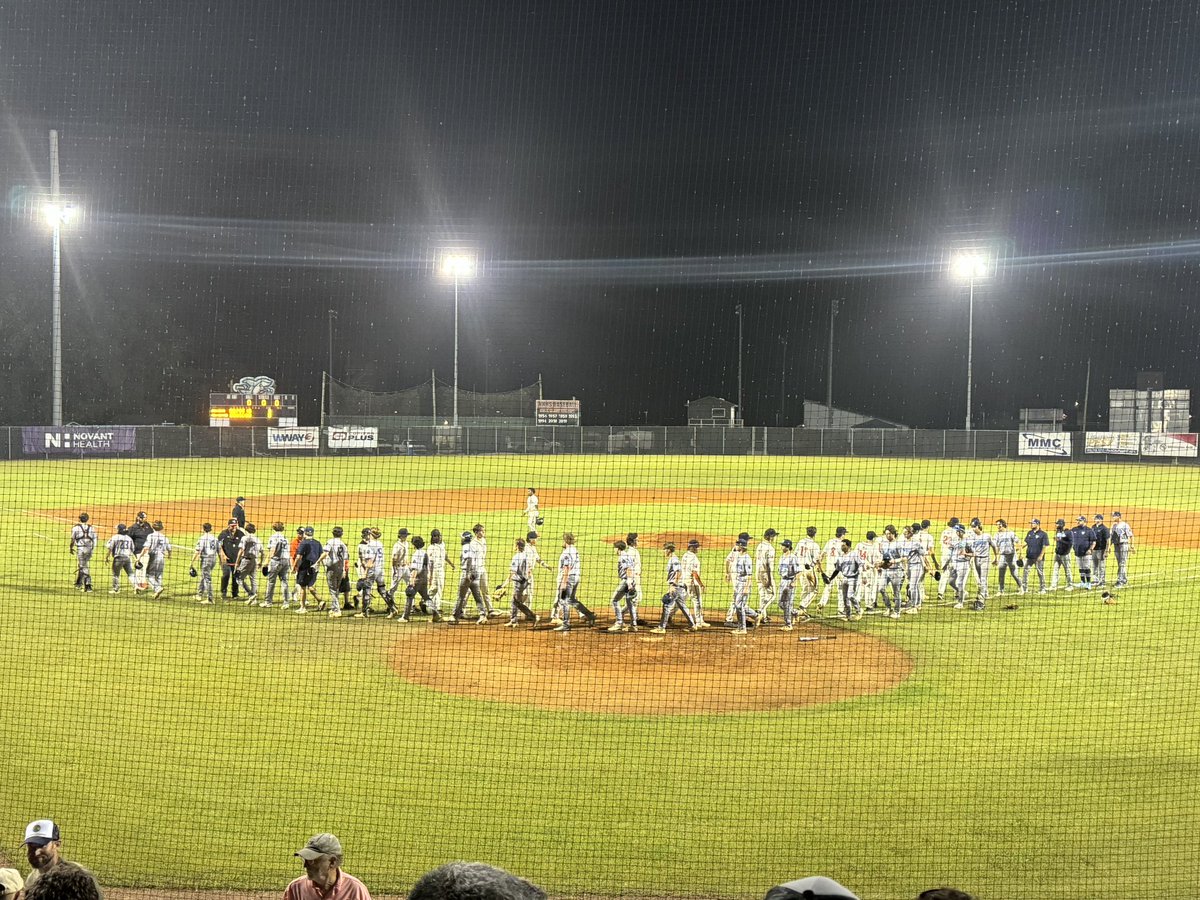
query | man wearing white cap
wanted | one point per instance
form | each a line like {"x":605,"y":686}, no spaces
{"x":43,"y":842}
{"x":816,"y":887}
{"x":11,"y":884}
{"x":323,"y":877}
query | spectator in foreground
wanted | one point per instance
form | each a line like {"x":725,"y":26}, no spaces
{"x":323,"y":876}
{"x":473,"y":881}
{"x":43,"y":845}
{"x":66,"y":881}
{"x":12,"y":884}
{"x":944,"y":893}
{"x":816,"y":887}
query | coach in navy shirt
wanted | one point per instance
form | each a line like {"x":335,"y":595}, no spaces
{"x":1036,"y":542}
{"x":1083,"y":539}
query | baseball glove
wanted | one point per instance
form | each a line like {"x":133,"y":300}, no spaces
{"x":1020,"y":563}
{"x":540,"y":520}
{"x":410,"y":592}
{"x":192,"y":571}
{"x":937,"y":576}
{"x":265,"y":570}
{"x":139,"y":565}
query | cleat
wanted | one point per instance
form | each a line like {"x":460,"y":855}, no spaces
{"x":1042,"y":591}
{"x":250,"y":600}
{"x":360,"y":615}
{"x":958,"y":605}
{"x":266,"y":604}
{"x":158,"y":593}
{"x":555,"y":621}
{"x":115,"y":591}
{"x":482,"y":620}
{"x":895,"y":615}
{"x":616,"y":628}
{"x":335,"y":614}
{"x":402,"y":620}
{"x":208,"y":601}
{"x":787,"y":627}
{"x":494,"y":614}
{"x":857,"y":616}
{"x":912,"y":610}
{"x":391,"y":614}
{"x":591,"y":620}
{"x":658,"y":630}
{"x":511,"y":623}
{"x":286,"y":605}
{"x":738,"y":630}
{"x":564,"y":627}
{"x":703,"y":624}
{"x":301,"y":610}
{"x":536,"y":619}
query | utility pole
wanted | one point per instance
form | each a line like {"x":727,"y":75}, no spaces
{"x":56,"y":389}
{"x":741,"y":412}
{"x":1087,"y":386}
{"x":833,"y":311}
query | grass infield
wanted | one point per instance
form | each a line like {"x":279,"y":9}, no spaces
{"x":1043,"y":751}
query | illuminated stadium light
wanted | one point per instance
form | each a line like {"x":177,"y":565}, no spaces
{"x":969,"y":265}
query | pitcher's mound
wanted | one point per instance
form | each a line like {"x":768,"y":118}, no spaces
{"x":679,"y":673}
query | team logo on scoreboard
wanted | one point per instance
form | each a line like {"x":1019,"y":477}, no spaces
{"x":255,"y":386}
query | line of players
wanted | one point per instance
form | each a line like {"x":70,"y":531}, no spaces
{"x":890,"y":568}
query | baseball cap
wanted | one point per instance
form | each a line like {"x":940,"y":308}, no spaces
{"x":466,"y":536}
{"x":10,"y":882}
{"x":744,"y":536}
{"x":41,"y":833}
{"x":786,"y":544}
{"x":1116,"y":515}
{"x":300,"y":530}
{"x":924,"y":523}
{"x":975,"y":523}
{"x":839,"y":532}
{"x":1060,"y":522}
{"x":960,"y":528}
{"x":240,"y":500}
{"x":122,"y":528}
{"x":308,"y":529}
{"x":1081,"y":518}
{"x":320,"y":845}
{"x":871,"y":535}
{"x":693,"y":543}
{"x":1099,"y":517}
{"x":403,"y":532}
{"x":770,"y":533}
{"x":1035,"y":521}
{"x":818,"y":887}
{"x":532,"y":536}
{"x":953,"y":521}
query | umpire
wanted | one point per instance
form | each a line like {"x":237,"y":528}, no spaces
{"x":239,"y":512}
{"x":229,"y":541}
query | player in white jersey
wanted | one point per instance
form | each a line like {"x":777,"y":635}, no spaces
{"x":520,"y":577}
{"x":742,"y":571}
{"x":915,"y":559}
{"x":335,"y":556}
{"x":808,"y":553}
{"x":923,"y":536}
{"x":468,"y":581}
{"x":155,"y":553}
{"x":438,"y":561}
{"x":676,"y":595}
{"x":694,"y":582}
{"x":401,"y":574}
{"x":418,"y":583}
{"x":982,"y":546}
{"x":626,"y":591}
{"x":120,"y":551}
{"x":279,"y":564}
{"x":789,"y":570}
{"x":830,"y":554}
{"x":1005,"y":541}
{"x":1120,"y":538}
{"x":730,"y":561}
{"x":536,"y":562}
{"x":532,"y":517}
{"x":764,"y":573}
{"x":83,"y":545}
{"x":245,"y":566}
{"x":631,"y":543}
{"x":206,"y":554}
{"x":960,"y":565}
{"x":570,"y":575}
{"x":370,"y":574}
{"x":871,"y":560}
{"x":946,"y":542}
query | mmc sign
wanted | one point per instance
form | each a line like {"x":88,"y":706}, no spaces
{"x":78,"y":439}
{"x":1045,"y":443}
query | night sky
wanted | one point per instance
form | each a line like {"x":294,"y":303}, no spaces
{"x":630,"y":172}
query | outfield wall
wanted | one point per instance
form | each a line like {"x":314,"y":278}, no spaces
{"x":185,"y":441}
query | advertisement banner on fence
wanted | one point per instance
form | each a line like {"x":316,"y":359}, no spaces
{"x":353,"y":437}
{"x":1168,"y":445}
{"x":1044,"y":443}
{"x":293,"y":438}
{"x":78,"y":440}
{"x":1118,"y":443}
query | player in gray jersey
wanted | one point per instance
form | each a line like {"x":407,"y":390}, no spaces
{"x":892,"y":567}
{"x":960,"y":564}
{"x":155,"y":553}
{"x":789,"y":571}
{"x":120,"y":551}
{"x":849,"y":568}
{"x":401,"y":574}
{"x":1005,"y":541}
{"x":626,"y":590}
{"x":694,"y":582}
{"x":570,"y":576}
{"x":336,"y":556}
{"x":279,"y":564}
{"x":468,"y":581}
{"x":438,"y":561}
{"x":808,"y":552}
{"x":1120,"y":538}
{"x":206,"y":555}
{"x":83,"y":545}
{"x":676,"y":595}
{"x":981,"y":560}
{"x":418,"y":582}
{"x":519,"y":578}
{"x":246,"y":565}
{"x":479,"y":538}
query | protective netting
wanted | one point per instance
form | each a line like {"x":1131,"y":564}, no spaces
{"x":431,"y":403}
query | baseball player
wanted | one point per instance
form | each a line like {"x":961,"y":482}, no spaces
{"x":789,"y":570}
{"x":871,"y":560}
{"x":960,"y":562}
{"x":138,"y":532}
{"x":83,"y":545}
{"x":246,"y":564}
{"x":808,"y":552}
{"x":368,"y":577}
{"x":915,"y":560}
{"x":279,"y":564}
{"x":1005,"y":541}
{"x":891,"y":570}
{"x":923,"y":536}
{"x":1083,"y":539}
{"x":631,"y":543}
{"x":155,"y":553}
{"x":693,"y":582}
{"x":229,"y":541}
{"x":438,"y":562}
{"x":1062,"y":555}
{"x":536,"y":562}
{"x":676,"y":595}
{"x":764,"y":573}
{"x":626,"y":590}
{"x":401,"y":574}
{"x":1100,"y":551}
{"x":1121,"y":537}
{"x":830,"y":554}
{"x":1036,"y":542}
{"x":480,"y":540}
{"x":418,"y":583}
{"x":730,"y":562}
{"x":849,"y":566}
{"x":947,"y":540}
{"x":336,"y":556}
{"x":742,"y":570}
{"x":304,"y":567}
{"x":520,"y":577}
{"x":206,"y":554}
{"x":120,"y":551}
{"x":532,"y":517}
{"x":981,"y":560}
{"x":570,"y":574}
{"x":468,"y":581}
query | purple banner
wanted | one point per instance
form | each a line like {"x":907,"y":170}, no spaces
{"x":78,"y":440}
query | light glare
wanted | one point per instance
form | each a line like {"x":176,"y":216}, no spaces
{"x":60,"y":213}
{"x":968,"y":266}
{"x":459,"y":266}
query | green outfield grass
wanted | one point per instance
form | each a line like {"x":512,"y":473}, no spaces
{"x":1047,"y":751}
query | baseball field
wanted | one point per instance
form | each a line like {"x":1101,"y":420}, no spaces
{"x":1044,"y":750}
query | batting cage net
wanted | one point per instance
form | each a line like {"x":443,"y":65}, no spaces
{"x":852,"y":533}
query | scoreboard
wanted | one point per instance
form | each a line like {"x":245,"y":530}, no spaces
{"x":275,"y":410}
{"x":556,"y":412}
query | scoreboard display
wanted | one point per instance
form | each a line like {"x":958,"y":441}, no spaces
{"x":275,"y":410}
{"x":556,"y":412}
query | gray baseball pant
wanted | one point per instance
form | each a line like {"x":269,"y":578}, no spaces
{"x":277,"y":571}
{"x":1040,"y":565}
{"x":1122,"y":554}
{"x":205,"y":587}
{"x":1008,"y":563}
{"x":1061,"y":561}
{"x":83,"y":561}
{"x":1099,"y":569}
{"x":672,"y":599}
{"x":629,"y":595}
{"x":156,"y":565}
{"x":122,"y":564}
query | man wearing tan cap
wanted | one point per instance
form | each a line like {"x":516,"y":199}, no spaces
{"x":324,"y":878}
{"x":11,"y":884}
{"x":43,"y":843}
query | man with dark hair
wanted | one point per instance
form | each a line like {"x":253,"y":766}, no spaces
{"x":239,"y":512}
{"x":138,"y":532}
{"x":83,"y":544}
{"x":207,"y":549}
{"x":43,"y":845}
{"x":323,"y":877}
{"x":230,"y":542}
{"x":944,"y":893}
{"x":66,"y":881}
{"x":304,"y":565}
{"x":120,"y":551}
{"x":476,"y":881}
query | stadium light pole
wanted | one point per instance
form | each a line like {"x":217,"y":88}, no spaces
{"x":970,"y":266}
{"x":57,"y":213}
{"x":459,"y":265}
